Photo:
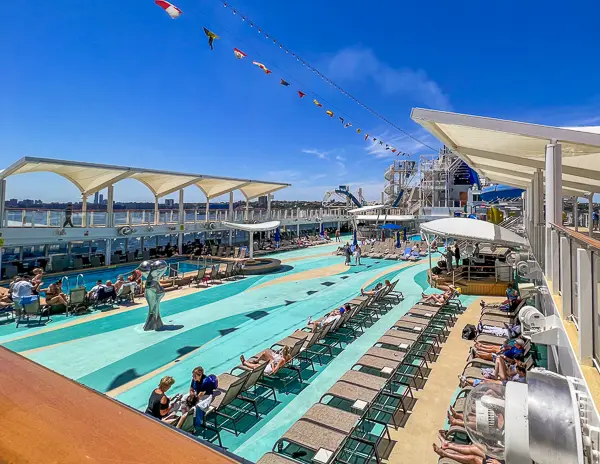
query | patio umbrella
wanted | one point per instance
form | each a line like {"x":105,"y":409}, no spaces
{"x":355,"y":242}
{"x":390,"y":226}
{"x":404,"y":234}
{"x":277,"y":235}
{"x":322,"y":229}
{"x":398,"y":238}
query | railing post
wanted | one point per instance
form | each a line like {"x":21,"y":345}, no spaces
{"x":23,"y":217}
{"x":555,"y":257}
{"x":566,"y":278}
{"x":584,"y":303}
{"x":49,"y":218}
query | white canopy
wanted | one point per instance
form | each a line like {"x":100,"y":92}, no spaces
{"x":473,"y":229}
{"x":366,"y":208}
{"x":509,"y":152}
{"x":254,"y":227}
{"x":90,"y":178}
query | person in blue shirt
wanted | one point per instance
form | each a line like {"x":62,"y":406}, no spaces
{"x":201,"y":384}
{"x":595,"y":217}
{"x":513,"y":298}
{"x":491,"y":352}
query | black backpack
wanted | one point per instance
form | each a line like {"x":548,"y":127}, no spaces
{"x":469,"y":332}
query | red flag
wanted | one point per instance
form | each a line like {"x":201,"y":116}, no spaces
{"x":239,"y":54}
{"x":301,"y":93}
{"x":262,"y":66}
{"x":171,"y":9}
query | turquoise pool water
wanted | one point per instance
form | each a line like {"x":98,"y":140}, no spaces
{"x":111,"y":273}
{"x":112,"y":354}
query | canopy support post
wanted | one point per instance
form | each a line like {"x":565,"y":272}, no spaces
{"x":181,"y":217}
{"x":250,"y":244}
{"x":538,"y":208}
{"x":207,"y":210}
{"x":83,"y":210}
{"x":2,"y":202}
{"x":230,"y":218}
{"x":591,"y":215}
{"x":110,"y":203}
{"x":553,"y":197}
{"x":576,"y":213}
{"x":156,"y":211}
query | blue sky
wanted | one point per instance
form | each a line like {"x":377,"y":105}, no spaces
{"x":122,"y":83}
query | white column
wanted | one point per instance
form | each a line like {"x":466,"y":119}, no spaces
{"x":537,"y":199}
{"x":590,"y":213}
{"x":156,"y":211}
{"x":566,"y":279}
{"x":83,"y":210}
{"x":230,"y":218}
{"x":553,"y":196}
{"x":576,"y":212}
{"x":110,"y":203}
{"x":250,"y":244}
{"x":108,"y":252}
{"x":554,"y":242}
{"x":269,"y":198}
{"x":207,"y":210}
{"x":2,"y":202}
{"x":247,"y":209}
{"x":181,"y":223}
{"x":298,"y":230}
{"x":585,"y":306}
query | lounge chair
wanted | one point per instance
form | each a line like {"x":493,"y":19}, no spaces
{"x":126,"y":293}
{"x":26,"y":310}
{"x":248,"y":392}
{"x":223,"y":397}
{"x":273,"y":458}
{"x":77,"y":300}
{"x":203,"y":276}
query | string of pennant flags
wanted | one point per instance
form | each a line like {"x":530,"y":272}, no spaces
{"x":174,"y":12}
{"x":304,"y":63}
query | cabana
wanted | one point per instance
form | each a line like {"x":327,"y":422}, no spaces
{"x":472,"y":230}
{"x":251,"y":228}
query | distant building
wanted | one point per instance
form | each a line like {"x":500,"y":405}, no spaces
{"x":101,"y":199}
{"x":13,"y":202}
{"x":262,"y":202}
{"x":169,"y":203}
{"x":96,"y":198}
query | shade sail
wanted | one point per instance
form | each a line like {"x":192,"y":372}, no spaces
{"x":253,"y":227}
{"x":90,"y":178}
{"x":472,"y":229}
{"x":509,"y":152}
{"x":366,"y":208}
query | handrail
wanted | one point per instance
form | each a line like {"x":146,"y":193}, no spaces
{"x":77,"y":284}
{"x":589,"y":241}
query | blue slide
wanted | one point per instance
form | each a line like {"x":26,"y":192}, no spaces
{"x":349,"y":195}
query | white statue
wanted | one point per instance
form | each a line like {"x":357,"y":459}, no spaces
{"x":153,"y":271}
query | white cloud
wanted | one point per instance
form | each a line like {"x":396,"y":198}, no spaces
{"x":359,"y":63}
{"x":340,"y":158}
{"x":320,"y":154}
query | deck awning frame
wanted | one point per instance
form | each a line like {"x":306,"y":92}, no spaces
{"x":509,"y":152}
{"x":90,"y":178}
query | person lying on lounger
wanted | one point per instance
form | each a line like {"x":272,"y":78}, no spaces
{"x":463,"y":454}
{"x":508,"y":331}
{"x":507,"y":373}
{"x":330,"y":318}
{"x":437,"y":298}
{"x":376,"y":288}
{"x":275,"y":359}
{"x":491,"y":352}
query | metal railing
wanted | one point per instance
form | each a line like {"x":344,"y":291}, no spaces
{"x":31,"y":217}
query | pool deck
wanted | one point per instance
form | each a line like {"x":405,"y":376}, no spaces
{"x":212,"y":326}
{"x":429,"y":413}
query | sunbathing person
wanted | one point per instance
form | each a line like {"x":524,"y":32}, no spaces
{"x":5,"y":299}
{"x":275,"y":359}
{"x":376,"y":289}
{"x":509,"y":330}
{"x":330,"y":318}
{"x":54,"y":294}
{"x":512,"y":373}
{"x":463,"y":454}
{"x":491,"y":352}
{"x":438,"y":299}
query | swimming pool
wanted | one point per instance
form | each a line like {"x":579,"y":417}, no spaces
{"x":112,"y":272}
{"x":211,"y":328}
